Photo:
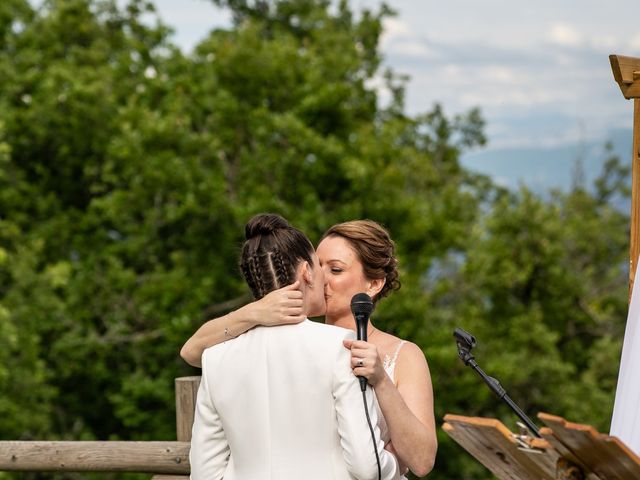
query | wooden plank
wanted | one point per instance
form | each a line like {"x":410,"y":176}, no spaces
{"x":566,"y":453}
{"x":482,"y":453}
{"x":624,"y":67}
{"x":95,"y":456}
{"x":603,"y":455}
{"x":547,"y":462}
{"x":496,"y":454}
{"x":491,"y":443}
{"x":186,"y":394}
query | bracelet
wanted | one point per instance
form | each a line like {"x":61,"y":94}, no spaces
{"x":227,"y":334}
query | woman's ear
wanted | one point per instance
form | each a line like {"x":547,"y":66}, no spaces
{"x":305,"y":273}
{"x":374,"y":286}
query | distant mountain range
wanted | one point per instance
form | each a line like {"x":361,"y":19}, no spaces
{"x":543,"y":168}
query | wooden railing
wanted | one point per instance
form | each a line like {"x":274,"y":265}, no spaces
{"x":166,"y":460}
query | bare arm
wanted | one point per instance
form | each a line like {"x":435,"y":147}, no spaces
{"x":278,"y":307}
{"x":407,"y":409}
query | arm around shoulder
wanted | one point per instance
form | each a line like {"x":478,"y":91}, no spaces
{"x":216,"y":331}
{"x":278,"y":307}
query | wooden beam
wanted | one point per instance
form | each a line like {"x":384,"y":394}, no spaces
{"x":626,"y":73}
{"x":96,"y":456}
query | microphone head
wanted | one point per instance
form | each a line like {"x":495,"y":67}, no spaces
{"x":361,"y":304}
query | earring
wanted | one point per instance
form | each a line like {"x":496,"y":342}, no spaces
{"x":309,"y":284}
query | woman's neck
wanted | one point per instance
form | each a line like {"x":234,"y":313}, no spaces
{"x":345,"y":321}
{"x":348,"y":322}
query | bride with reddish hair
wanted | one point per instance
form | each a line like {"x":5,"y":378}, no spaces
{"x":356,"y":257}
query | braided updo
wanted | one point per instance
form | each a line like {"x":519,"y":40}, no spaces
{"x":272,"y":251}
{"x":375,"y":250}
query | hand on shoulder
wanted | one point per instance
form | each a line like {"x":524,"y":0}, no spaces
{"x":280,"y":307}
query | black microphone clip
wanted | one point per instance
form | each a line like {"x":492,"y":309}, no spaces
{"x":465,"y":342}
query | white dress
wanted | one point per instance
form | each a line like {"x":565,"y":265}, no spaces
{"x":389,"y":365}
{"x":625,"y":423}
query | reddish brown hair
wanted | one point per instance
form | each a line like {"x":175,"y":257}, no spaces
{"x":375,"y":250}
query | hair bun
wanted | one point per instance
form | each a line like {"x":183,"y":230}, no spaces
{"x":264,"y":224}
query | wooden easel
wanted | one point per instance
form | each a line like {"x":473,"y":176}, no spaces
{"x":566,"y":451}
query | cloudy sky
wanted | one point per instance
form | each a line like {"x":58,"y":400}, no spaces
{"x":539,"y":71}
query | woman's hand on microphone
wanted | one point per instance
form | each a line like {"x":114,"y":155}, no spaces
{"x":282,"y":306}
{"x":365,"y":361}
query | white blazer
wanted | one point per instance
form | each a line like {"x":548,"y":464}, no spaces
{"x":282,"y":403}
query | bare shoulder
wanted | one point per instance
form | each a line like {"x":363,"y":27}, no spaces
{"x":410,"y":355}
{"x":386,"y":344}
{"x":412,"y":363}
{"x":412,"y":351}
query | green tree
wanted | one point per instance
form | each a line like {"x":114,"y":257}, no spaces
{"x":128,"y":169}
{"x":542,"y":283}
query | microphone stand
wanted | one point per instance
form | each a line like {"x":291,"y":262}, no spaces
{"x":464,"y":352}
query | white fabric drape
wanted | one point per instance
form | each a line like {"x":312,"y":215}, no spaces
{"x":625,"y":423}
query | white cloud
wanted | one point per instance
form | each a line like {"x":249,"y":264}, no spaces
{"x":452,"y":72}
{"x":606,"y":42}
{"x":394,"y":27}
{"x":533,"y":68}
{"x":399,"y":39}
{"x":499,"y":74}
{"x":565,"y":35}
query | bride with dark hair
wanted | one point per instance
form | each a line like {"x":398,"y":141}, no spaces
{"x":356,"y":256}
{"x":282,"y":402}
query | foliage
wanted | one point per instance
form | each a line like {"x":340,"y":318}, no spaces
{"x":128,"y":168}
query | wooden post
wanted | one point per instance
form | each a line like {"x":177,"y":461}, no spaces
{"x":635,"y":220}
{"x":634,"y":246}
{"x":626,"y":72}
{"x":186,"y":393}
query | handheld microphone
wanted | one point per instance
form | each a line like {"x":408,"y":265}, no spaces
{"x":361,"y":308}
